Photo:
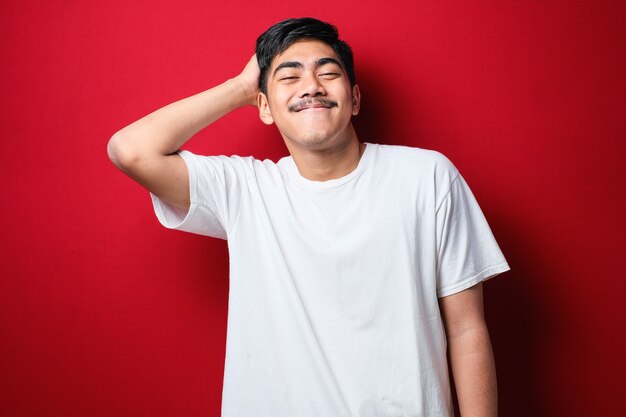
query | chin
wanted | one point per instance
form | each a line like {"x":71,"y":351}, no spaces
{"x":315,"y":141}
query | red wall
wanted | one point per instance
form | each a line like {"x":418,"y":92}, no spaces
{"x":105,"y":313}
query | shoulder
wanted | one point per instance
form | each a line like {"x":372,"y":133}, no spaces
{"x":415,"y":161}
{"x":233,"y":163}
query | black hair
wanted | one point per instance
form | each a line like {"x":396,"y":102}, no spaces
{"x":282,"y":35}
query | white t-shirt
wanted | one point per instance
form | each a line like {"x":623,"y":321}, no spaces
{"x":333,"y":306}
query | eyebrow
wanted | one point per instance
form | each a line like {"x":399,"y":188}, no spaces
{"x":324,"y":61}
{"x":296,"y":64}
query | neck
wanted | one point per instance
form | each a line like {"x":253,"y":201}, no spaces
{"x":323,"y":164}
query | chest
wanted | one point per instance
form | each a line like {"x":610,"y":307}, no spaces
{"x":364,"y":217}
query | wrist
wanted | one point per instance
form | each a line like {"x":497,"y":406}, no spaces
{"x":246,"y":92}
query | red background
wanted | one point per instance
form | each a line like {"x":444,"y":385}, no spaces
{"x":105,"y":313}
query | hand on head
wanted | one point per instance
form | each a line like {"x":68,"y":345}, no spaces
{"x":249,"y":79}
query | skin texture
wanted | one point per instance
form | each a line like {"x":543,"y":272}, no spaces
{"x":311,"y":102}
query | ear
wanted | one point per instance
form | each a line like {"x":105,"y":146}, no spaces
{"x":264,"y":109}
{"x":356,"y":100}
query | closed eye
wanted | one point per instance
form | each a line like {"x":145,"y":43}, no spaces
{"x":330,"y":75}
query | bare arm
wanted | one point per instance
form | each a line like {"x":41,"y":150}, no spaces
{"x":470,"y":351}
{"x":146,"y":149}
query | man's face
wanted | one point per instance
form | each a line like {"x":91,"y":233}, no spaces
{"x":309,"y":96}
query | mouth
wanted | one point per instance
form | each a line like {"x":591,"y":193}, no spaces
{"x":312,"y":104}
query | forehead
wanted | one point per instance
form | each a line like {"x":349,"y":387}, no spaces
{"x":305,"y":52}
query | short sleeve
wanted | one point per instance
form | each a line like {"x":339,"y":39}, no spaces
{"x":215,"y":184}
{"x":467,"y":252}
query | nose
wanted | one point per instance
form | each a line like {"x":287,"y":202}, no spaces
{"x":311,"y":86}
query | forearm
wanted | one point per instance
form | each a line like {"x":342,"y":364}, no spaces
{"x":164,"y":131}
{"x":474,"y":372}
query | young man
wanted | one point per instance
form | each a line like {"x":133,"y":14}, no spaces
{"x":353,"y":266}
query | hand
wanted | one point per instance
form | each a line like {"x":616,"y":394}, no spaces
{"x":249,"y":81}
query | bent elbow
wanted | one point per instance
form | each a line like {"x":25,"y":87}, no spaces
{"x":112,"y":150}
{"x":120,"y":153}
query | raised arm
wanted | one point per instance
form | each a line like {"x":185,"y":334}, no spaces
{"x":471,"y":357}
{"x":146,"y":149}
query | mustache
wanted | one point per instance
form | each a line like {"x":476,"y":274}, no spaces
{"x":308,"y":102}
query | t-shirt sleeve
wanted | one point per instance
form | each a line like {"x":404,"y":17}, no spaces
{"x":467,"y":252}
{"x":215,"y":184}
